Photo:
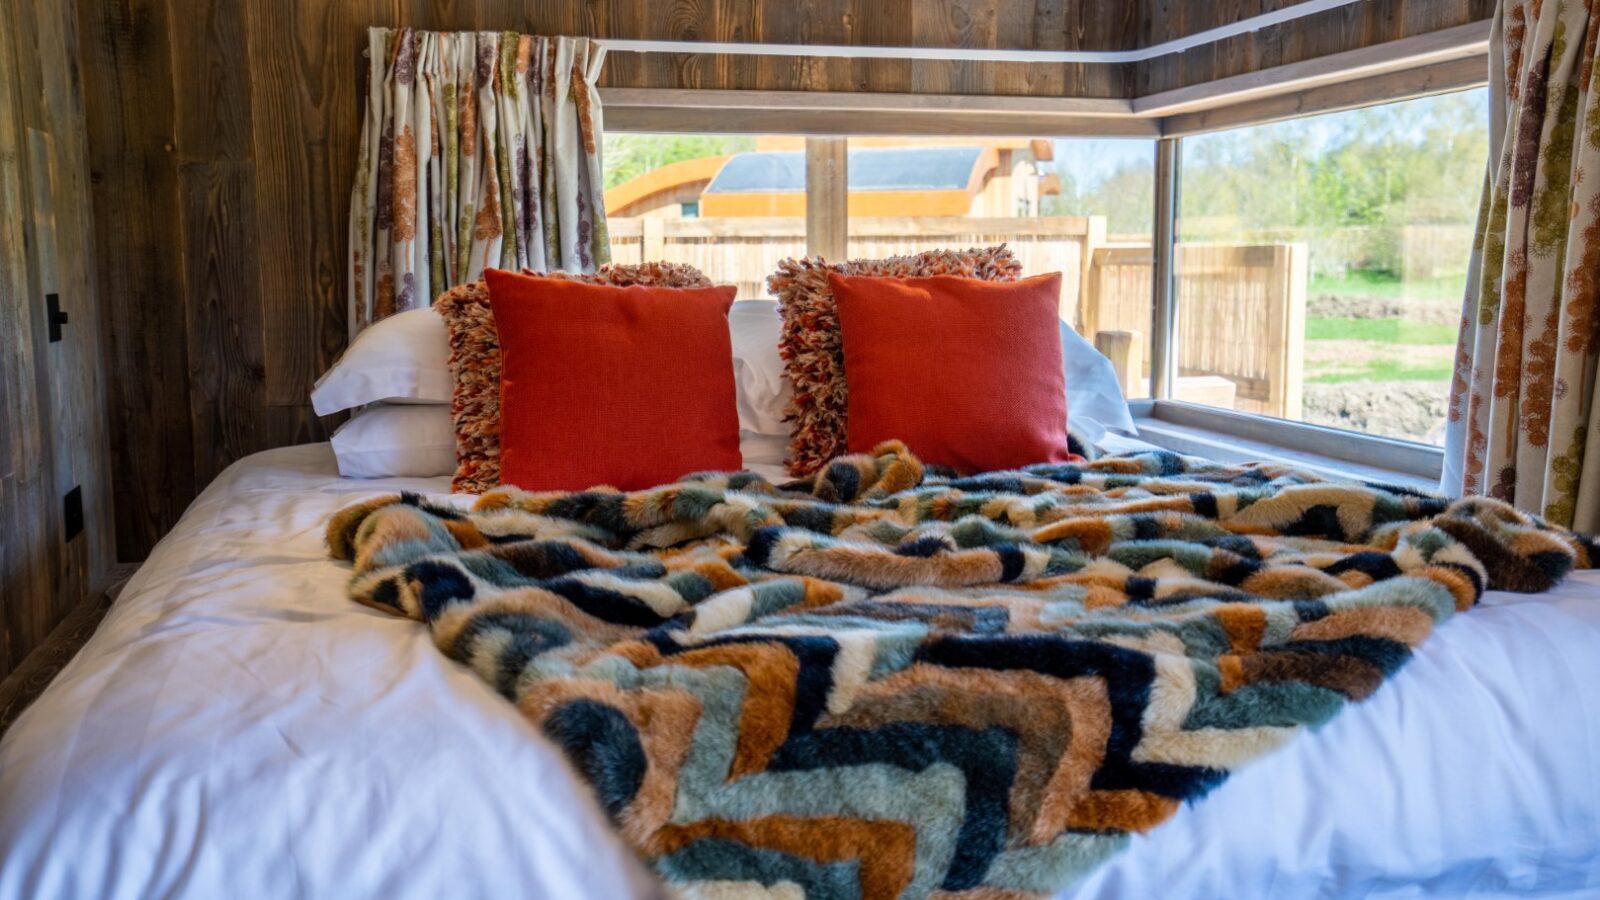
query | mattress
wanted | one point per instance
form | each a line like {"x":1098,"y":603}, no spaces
{"x":236,"y":726}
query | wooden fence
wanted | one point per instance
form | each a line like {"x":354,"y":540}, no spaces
{"x":1241,"y":314}
{"x":1241,"y":308}
{"x":744,"y":251}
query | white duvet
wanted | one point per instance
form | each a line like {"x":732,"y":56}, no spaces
{"x":236,"y":727}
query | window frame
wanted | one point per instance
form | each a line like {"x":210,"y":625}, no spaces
{"x":1413,"y":68}
{"x":1410,"y":458}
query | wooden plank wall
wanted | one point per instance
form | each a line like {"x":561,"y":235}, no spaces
{"x":52,"y":395}
{"x":1333,"y":31}
{"x":1012,"y":24}
{"x":223,"y":137}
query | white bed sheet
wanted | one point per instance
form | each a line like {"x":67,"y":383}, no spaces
{"x":236,"y":727}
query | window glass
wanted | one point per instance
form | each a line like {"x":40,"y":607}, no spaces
{"x":1321,"y":263}
{"x":730,"y":205}
{"x":1082,"y":207}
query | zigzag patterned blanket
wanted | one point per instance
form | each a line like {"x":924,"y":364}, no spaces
{"x":883,"y":682}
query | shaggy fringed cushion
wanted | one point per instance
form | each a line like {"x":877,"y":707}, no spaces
{"x":475,"y":361}
{"x":813,"y":352}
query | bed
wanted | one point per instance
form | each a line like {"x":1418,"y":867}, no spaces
{"x":237,"y":726}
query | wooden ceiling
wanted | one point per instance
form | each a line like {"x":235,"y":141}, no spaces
{"x":1073,"y":25}
{"x":1020,"y":24}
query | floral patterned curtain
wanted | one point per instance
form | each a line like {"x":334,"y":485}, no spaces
{"x":1524,"y":422}
{"x":478,"y":149}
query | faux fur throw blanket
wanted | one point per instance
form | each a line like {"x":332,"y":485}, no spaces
{"x":883,"y":682}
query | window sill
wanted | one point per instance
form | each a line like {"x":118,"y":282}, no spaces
{"x":1230,"y":437}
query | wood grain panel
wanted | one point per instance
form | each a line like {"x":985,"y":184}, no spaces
{"x":303,"y":59}
{"x":1012,"y":24}
{"x":227,"y":363}
{"x":880,"y":24}
{"x":1346,"y":28}
{"x":212,"y":110}
{"x":1054,"y":24}
{"x":130,"y":116}
{"x":26,"y":558}
{"x":60,"y":176}
{"x":51,"y":393}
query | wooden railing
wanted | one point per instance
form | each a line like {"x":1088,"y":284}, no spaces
{"x":744,"y":251}
{"x":1241,"y":314}
{"x":1241,"y":308}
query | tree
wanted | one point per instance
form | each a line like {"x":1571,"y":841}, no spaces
{"x":1348,"y":183}
{"x":628,"y":156}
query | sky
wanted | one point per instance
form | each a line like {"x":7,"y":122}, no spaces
{"x":1089,"y":160}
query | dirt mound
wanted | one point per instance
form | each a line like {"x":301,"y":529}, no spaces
{"x":1411,"y":410}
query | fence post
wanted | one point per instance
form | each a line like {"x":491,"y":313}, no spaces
{"x":1094,"y":235}
{"x":1286,"y":329}
{"x":653,"y":239}
{"x":827,"y":198}
{"x":1089,"y":294}
{"x":1125,"y":352}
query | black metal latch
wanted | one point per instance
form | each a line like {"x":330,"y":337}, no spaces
{"x":72,"y":512}
{"x":53,"y":316}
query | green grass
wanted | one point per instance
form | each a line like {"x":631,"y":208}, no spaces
{"x":1406,"y":351}
{"x":1381,"y":331}
{"x":1386,"y":370}
{"x":1361,"y":283}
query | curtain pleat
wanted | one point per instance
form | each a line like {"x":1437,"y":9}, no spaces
{"x":478,"y":149}
{"x":1524,"y":422}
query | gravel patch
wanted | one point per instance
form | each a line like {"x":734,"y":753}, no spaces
{"x":1410,"y":410}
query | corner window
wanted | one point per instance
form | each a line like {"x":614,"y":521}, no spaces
{"x":1321,"y":263}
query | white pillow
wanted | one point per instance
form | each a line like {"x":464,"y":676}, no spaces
{"x":763,"y":449}
{"x":764,"y":389}
{"x":401,"y":359}
{"x":1094,"y":396}
{"x":386,"y":441}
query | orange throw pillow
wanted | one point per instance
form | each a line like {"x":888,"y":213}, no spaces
{"x":624,"y":386}
{"x":966,"y":372}
{"x":475,"y":360}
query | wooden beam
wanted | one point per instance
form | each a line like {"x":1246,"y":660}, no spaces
{"x":744,"y":120}
{"x":1438,"y":78}
{"x":812,"y":49}
{"x":1444,"y":60}
{"x":843,"y":101}
{"x":827,"y":198}
{"x":1470,"y":40}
